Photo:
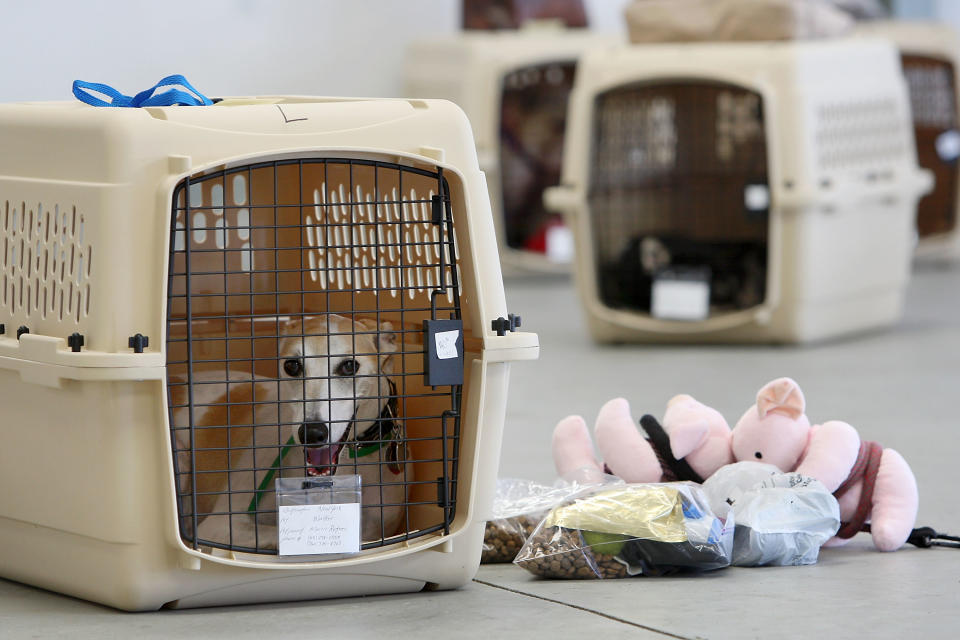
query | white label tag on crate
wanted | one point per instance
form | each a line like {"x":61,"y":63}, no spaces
{"x":319,"y":528}
{"x":756,"y":197}
{"x":680,"y":299}
{"x":948,"y":145}
{"x":559,"y":243}
{"x":446,"y":342}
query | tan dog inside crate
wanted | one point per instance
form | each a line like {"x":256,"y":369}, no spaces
{"x":331,"y":410}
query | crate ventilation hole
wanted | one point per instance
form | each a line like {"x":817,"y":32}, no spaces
{"x":342,"y":255}
{"x":45,"y":267}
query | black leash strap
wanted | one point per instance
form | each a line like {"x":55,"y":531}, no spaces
{"x":660,"y":441}
{"x":924,"y":537}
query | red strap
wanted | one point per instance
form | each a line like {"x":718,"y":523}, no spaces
{"x":865,"y":467}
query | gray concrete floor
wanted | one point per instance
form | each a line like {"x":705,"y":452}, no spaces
{"x":899,"y":387}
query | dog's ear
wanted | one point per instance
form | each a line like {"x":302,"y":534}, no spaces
{"x":387,"y":340}
{"x":291,"y":336}
{"x":292,"y":327}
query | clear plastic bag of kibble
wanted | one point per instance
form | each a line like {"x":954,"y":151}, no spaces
{"x":629,"y":530}
{"x":519,"y":506}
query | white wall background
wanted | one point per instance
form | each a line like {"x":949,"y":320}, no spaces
{"x":243,"y":47}
{"x":224,"y":47}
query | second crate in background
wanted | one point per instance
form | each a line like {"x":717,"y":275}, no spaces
{"x":769,"y":189}
{"x":514,"y":86}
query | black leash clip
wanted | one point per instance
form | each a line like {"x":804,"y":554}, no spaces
{"x":926,"y":537}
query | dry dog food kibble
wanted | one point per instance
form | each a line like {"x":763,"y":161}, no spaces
{"x":609,"y":566}
{"x":629,"y":530}
{"x":503,"y":538}
{"x":562,"y":553}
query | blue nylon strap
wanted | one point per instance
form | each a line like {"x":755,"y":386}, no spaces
{"x":84,"y":91}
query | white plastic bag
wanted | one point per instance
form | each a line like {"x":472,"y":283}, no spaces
{"x":781,"y":518}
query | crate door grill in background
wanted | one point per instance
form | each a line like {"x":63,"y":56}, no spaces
{"x":533,"y":117}
{"x":932,"y":84}
{"x":684,"y":166}
{"x":269,"y":251}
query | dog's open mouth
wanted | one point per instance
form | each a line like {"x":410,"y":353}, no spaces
{"x":322,"y":460}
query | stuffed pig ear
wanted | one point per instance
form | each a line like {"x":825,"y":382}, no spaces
{"x":783,"y":396}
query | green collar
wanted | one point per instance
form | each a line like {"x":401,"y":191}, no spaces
{"x":362,"y":452}
{"x":365,"y":450}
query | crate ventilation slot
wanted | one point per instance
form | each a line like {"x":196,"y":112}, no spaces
{"x":385,"y":242}
{"x":45,"y":269}
{"x":863,"y":133}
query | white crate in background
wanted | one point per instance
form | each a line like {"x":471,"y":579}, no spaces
{"x":786,"y":169}
{"x":513,"y":85}
{"x":929,"y":53}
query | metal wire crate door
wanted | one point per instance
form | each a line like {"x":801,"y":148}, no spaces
{"x":679,"y":180}
{"x":304,"y":296}
{"x":533,"y":114}
{"x":932,"y":84}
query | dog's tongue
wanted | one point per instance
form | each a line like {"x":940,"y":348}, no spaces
{"x":322,"y":456}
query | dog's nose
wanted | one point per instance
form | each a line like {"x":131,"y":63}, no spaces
{"x":313,"y":433}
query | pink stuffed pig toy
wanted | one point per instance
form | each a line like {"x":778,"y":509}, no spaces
{"x":693,"y":442}
{"x":871,"y":483}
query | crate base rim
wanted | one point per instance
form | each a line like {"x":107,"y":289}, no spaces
{"x":298,"y":588}
{"x":812,"y":322}
{"x":144,"y":576}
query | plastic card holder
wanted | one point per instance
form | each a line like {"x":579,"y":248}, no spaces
{"x":318,"y":515}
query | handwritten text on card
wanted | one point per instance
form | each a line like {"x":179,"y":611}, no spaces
{"x":319,"y":528}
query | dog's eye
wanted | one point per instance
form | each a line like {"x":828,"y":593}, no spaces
{"x":348,"y":368}
{"x":293,"y":367}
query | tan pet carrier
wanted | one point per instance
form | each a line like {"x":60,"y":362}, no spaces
{"x":929,"y":53}
{"x":514,"y":87}
{"x":255,"y":351}
{"x":740,"y":191}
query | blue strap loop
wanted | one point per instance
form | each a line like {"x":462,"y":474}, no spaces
{"x":84,"y":91}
